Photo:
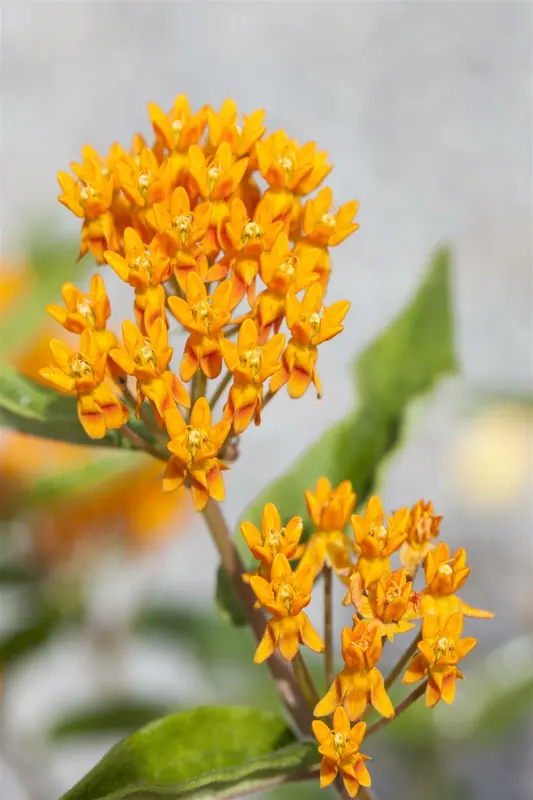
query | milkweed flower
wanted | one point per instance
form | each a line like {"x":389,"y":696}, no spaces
{"x":86,"y":312}
{"x":175,"y":133}
{"x":195,"y":447}
{"x":82,"y":372}
{"x":182,"y":229}
{"x":310,"y":325}
{"x":204,"y":318}
{"x":146,"y":358}
{"x":360,"y":682}
{"x":339,"y":748}
{"x":330,"y":510}
{"x":223,"y":127}
{"x":439,"y":653}
{"x":273,"y":538}
{"x":284,"y":596}
{"x":390,"y":606}
{"x":282,"y":272}
{"x":324,"y":228}
{"x":377,"y":537}
{"x":142,"y":179}
{"x":422,"y":529}
{"x":146,"y":268}
{"x":243,"y":241}
{"x":444,"y":577}
{"x":251,"y":365}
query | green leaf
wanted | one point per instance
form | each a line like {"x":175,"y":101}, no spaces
{"x":29,"y":637}
{"x":120,"y":716}
{"x":28,"y":407}
{"x":82,"y":479}
{"x":204,"y":752}
{"x":405,"y":362}
{"x":50,"y":264}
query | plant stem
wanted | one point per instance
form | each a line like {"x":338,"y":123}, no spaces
{"x":143,"y":444}
{"x":220,"y":389}
{"x":328,"y":626}
{"x":266,"y":399}
{"x":280,"y":669}
{"x":402,"y":661}
{"x":305,"y":681}
{"x":231,"y":331}
{"x":409,"y":700}
{"x":198,"y":386}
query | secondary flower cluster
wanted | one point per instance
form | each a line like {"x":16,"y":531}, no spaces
{"x":213,"y":227}
{"x":385,"y":601}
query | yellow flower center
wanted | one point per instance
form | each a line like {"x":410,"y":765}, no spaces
{"x":177,"y":127}
{"x":80,"y":367}
{"x":251,"y":231}
{"x":143,"y":182}
{"x":85,"y":309}
{"x":286,"y":596}
{"x":286,"y":162}
{"x":183,"y":225}
{"x":423,"y":529}
{"x":329,"y":220}
{"x":251,"y":359}
{"x":340,"y":740}
{"x":87,"y":191}
{"x":213,"y":174}
{"x":443,"y":647}
{"x":146,"y":355}
{"x":196,"y":437}
{"x":445,"y":569}
{"x":142,"y":264}
{"x":289,"y":266}
{"x":202,"y":312}
{"x":380,"y":533}
{"x":273,"y":540}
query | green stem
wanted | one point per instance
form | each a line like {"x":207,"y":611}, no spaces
{"x":305,"y":681}
{"x":280,"y":669}
{"x":143,"y":444}
{"x":220,"y":389}
{"x":403,"y":661}
{"x":409,"y":700}
{"x":328,"y":626}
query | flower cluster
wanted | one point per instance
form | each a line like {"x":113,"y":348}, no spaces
{"x":213,"y":227}
{"x":386,"y":606}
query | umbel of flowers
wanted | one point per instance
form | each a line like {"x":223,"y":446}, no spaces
{"x":223,"y":233}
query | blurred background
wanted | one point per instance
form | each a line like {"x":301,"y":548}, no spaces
{"x":106,"y":586}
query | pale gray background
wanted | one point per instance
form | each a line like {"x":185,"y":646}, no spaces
{"x":425,"y":109}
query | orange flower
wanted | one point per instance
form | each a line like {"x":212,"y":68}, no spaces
{"x":444,"y":577}
{"x":82,"y":372}
{"x":423,"y":528}
{"x":290,"y":171}
{"x":440,"y":651}
{"x":251,"y":366}
{"x":330,"y":510}
{"x":339,"y":748}
{"x":284,"y":596}
{"x":309,"y":327}
{"x":204,"y":318}
{"x":324,"y":229}
{"x":194,"y":449}
{"x":214,"y":179}
{"x":273,"y":538}
{"x":283,"y":272}
{"x":147,"y":359}
{"x":223,"y":127}
{"x":176,"y":132}
{"x":390,"y":605}
{"x":142,"y":179}
{"x":181,"y":230}
{"x":146,"y":268}
{"x":360,"y":682}
{"x":376,"y":541}
{"x":244,"y":240}
{"x":86,"y":311}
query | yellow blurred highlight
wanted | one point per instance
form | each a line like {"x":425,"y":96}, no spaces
{"x":493,"y":458}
